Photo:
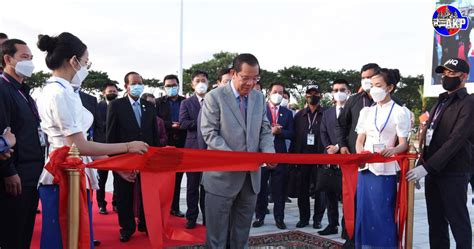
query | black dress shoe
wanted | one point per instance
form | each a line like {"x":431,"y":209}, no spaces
{"x":258,"y":223}
{"x":177,"y":213}
{"x":270,"y":199}
{"x":125,"y":237}
{"x":301,"y":224}
{"x":288,"y":200}
{"x":329,"y":230}
{"x":190,"y":224}
{"x":142,"y":228}
{"x":267,"y":211}
{"x":38,"y":211}
{"x":280,"y":224}
{"x":96,"y":242}
{"x":103,"y":210}
{"x":317,"y":225}
{"x":349,"y":244}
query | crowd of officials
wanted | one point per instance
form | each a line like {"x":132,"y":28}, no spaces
{"x":234,"y":114}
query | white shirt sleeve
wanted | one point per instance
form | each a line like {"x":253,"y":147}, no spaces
{"x":402,"y":122}
{"x":66,"y":114}
{"x":361,"y":127}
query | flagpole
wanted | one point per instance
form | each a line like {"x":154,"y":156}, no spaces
{"x":180,"y":71}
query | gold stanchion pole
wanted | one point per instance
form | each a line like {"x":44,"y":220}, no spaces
{"x":73,"y":202}
{"x":411,"y":203}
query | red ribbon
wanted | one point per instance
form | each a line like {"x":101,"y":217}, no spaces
{"x":158,"y":166}
{"x":58,"y":162}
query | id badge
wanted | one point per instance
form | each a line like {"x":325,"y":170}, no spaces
{"x":429,"y":136}
{"x":310,"y":139}
{"x":378,"y":148}
{"x":42,"y":137}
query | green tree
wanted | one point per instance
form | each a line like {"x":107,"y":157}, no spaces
{"x":212,"y":67}
{"x":95,"y":80}
{"x":37,"y":80}
{"x":154,"y":83}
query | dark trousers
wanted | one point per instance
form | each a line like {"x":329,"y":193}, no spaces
{"x":446,"y":198}
{"x":304,"y":196}
{"x":195,"y":196}
{"x":125,"y":205}
{"x":177,"y":190}
{"x":332,"y":199}
{"x":101,"y":202}
{"x":17,"y":217}
{"x":277,"y":187}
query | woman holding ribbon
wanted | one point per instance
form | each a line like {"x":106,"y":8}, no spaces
{"x":382,"y":128}
{"x":66,"y":122}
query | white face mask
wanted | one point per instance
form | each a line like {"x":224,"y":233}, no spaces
{"x":340,"y":96}
{"x":284,"y":102}
{"x":366,"y":84}
{"x":24,"y":68}
{"x":378,"y":94}
{"x":276,"y":98}
{"x":201,"y":88}
{"x":79,"y":77}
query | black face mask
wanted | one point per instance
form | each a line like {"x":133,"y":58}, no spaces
{"x":314,"y":100}
{"x":111,"y":96}
{"x":450,"y":83}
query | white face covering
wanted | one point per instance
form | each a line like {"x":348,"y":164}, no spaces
{"x":79,"y":77}
{"x":201,"y":88}
{"x":24,"y":68}
{"x":378,"y":94}
{"x":366,"y":84}
{"x":284,"y":102}
{"x":340,"y":96}
{"x":276,"y":98}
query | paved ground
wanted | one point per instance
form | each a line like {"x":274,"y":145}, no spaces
{"x":291,"y":218}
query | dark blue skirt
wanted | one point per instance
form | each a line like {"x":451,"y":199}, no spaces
{"x":375,"y":218}
{"x":51,"y":230}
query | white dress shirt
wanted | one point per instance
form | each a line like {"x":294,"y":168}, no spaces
{"x":398,"y":125}
{"x":62,"y":114}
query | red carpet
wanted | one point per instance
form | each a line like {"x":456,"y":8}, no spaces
{"x":106,"y":229}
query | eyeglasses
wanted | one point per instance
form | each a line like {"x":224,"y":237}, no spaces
{"x":248,"y":78}
{"x":339,"y":90}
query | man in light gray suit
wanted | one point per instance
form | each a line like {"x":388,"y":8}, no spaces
{"x":234,"y":119}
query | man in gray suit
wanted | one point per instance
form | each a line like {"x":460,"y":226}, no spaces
{"x":234,"y":119}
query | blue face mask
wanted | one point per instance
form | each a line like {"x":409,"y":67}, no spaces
{"x":171,"y":91}
{"x":136,"y":90}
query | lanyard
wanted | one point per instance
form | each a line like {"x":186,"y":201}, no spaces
{"x":312,"y":122}
{"x":61,"y":84}
{"x":32,"y":106}
{"x":439,"y":108}
{"x":386,"y":121}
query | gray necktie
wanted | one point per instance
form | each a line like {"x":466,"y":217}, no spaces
{"x":242,"y":107}
{"x":138,"y":115}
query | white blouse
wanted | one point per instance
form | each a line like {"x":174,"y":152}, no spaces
{"x":62,"y":114}
{"x":398,"y":125}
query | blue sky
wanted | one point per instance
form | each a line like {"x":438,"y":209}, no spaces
{"x":144,"y":35}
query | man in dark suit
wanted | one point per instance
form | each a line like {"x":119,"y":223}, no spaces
{"x":282,"y":128}
{"x":446,"y":158}
{"x":340,"y":92}
{"x":307,"y":139}
{"x":110,"y":93}
{"x":130,"y":119}
{"x":188,"y":115}
{"x":168,"y":109}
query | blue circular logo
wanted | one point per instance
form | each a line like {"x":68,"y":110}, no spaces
{"x":448,"y":20}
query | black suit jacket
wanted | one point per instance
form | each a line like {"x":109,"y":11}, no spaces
{"x":99,"y":135}
{"x":176,"y":137}
{"x":328,"y":122}
{"x":298,"y":144}
{"x":123,"y":127}
{"x":347,"y":121}
{"x":450,"y":148}
{"x":188,"y":114}
{"x":90,"y":103}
